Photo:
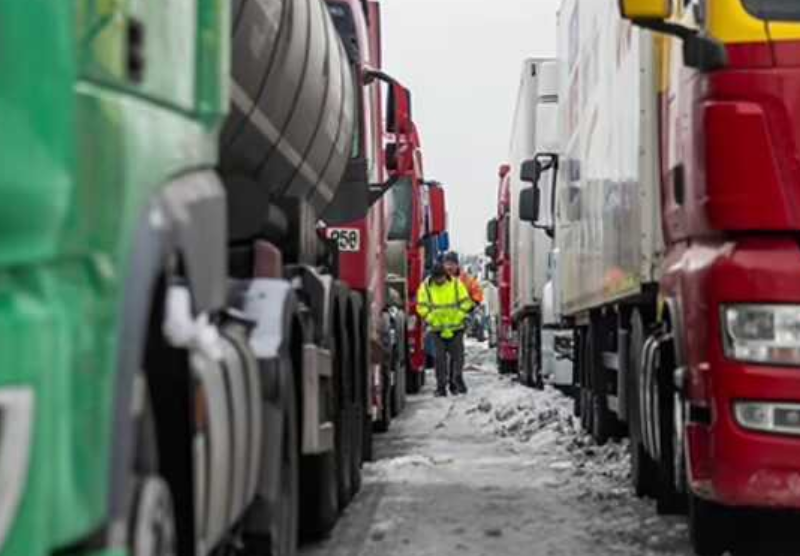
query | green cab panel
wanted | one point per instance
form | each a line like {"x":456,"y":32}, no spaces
{"x":84,"y":148}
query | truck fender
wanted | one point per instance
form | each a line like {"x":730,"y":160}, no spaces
{"x":188,"y":218}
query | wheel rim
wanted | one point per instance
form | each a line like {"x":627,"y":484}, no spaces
{"x":154,"y":530}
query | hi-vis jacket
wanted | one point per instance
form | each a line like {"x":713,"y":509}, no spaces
{"x":473,"y":287}
{"x":444,"y":307}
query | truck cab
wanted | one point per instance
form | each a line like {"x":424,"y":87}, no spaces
{"x":499,"y":252}
{"x":385,"y":151}
{"x":549,"y":334}
{"x":730,"y":116}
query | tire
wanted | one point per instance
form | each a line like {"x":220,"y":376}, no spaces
{"x":285,"y":516}
{"x":359,"y":412}
{"x":153,"y":526}
{"x":344,"y":420}
{"x":602,"y":419}
{"x":384,"y":421}
{"x":585,"y":384}
{"x":401,"y":377}
{"x":320,"y":477}
{"x":524,"y":365}
{"x":577,"y":378}
{"x":668,"y":500}
{"x":507,"y":367}
{"x":357,"y":456}
{"x":415,"y":382}
{"x":643,"y":468}
{"x":710,"y":527}
{"x":152,"y":520}
{"x":319,"y":495}
{"x":368,"y":436}
{"x":536,"y":343}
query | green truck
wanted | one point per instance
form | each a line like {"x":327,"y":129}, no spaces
{"x":182,"y":371}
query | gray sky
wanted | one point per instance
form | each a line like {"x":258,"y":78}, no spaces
{"x":462,"y":60}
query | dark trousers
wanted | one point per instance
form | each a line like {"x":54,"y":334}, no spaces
{"x":450,"y":362}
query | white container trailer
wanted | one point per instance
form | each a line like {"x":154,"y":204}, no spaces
{"x":607,"y":215}
{"x":535,"y":129}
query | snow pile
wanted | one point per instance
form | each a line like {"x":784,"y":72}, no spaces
{"x":542,"y":423}
{"x":478,"y":358}
{"x":611,"y":460}
{"x":523,"y":417}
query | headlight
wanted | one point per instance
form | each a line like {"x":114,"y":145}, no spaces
{"x":16,"y":428}
{"x":769,"y":417}
{"x":763,"y":333}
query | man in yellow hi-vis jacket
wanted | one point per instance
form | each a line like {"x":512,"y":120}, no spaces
{"x":444,"y":303}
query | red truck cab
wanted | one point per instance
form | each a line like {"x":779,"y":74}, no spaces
{"x":730,"y":292}
{"x":499,"y":251}
{"x":359,"y":223}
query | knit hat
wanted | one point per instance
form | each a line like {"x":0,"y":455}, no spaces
{"x":451,"y":257}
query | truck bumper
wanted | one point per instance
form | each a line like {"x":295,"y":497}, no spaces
{"x":739,"y":467}
{"x":728,"y":463}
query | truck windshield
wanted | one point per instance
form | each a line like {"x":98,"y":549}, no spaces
{"x":402,"y":207}
{"x":775,"y":10}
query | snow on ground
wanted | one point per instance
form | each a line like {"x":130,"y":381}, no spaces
{"x":503,"y":470}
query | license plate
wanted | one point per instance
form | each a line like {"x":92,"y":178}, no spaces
{"x":348,"y":239}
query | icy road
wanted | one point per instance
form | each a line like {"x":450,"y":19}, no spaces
{"x":503,"y":471}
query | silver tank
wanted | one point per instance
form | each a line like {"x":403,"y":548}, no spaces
{"x":292,"y":120}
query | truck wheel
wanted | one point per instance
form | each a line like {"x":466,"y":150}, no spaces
{"x":414,"y":385}
{"x":153,"y":530}
{"x":524,"y":365}
{"x":668,"y":499}
{"x":643,"y":472}
{"x":507,"y":367}
{"x":577,"y":378}
{"x":357,"y":455}
{"x":344,"y":426}
{"x":401,"y":378}
{"x":152,"y":525}
{"x":710,"y":527}
{"x":358,"y":396}
{"x":368,"y":437}
{"x":320,"y":473}
{"x":603,"y":421}
{"x":319,"y":495}
{"x":385,"y":418}
{"x":285,"y":515}
{"x":536,"y":343}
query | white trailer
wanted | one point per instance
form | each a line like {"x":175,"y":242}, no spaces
{"x":607,"y":214}
{"x":535,"y":130}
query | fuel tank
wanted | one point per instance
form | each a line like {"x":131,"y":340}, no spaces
{"x":290,"y":131}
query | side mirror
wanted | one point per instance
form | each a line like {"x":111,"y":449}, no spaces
{"x":491,"y":231}
{"x":530,"y":199}
{"x":438,"y":210}
{"x":400,"y":130}
{"x":529,"y":172}
{"x":529,"y":204}
{"x":700,"y":52}
{"x":491,"y":252}
{"x":646,"y":9}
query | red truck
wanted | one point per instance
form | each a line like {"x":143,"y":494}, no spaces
{"x":418,"y":213}
{"x":360,"y":224}
{"x":498,"y":234}
{"x":678,"y":216}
